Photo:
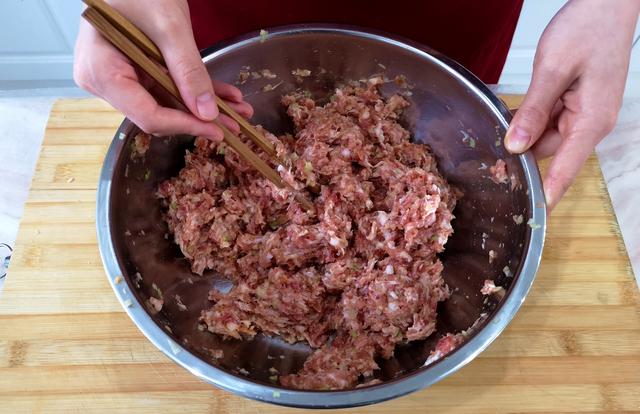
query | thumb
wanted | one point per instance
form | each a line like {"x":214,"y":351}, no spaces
{"x":531,"y":118}
{"x":190,"y":75}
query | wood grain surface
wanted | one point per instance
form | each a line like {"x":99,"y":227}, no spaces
{"x":67,"y":346}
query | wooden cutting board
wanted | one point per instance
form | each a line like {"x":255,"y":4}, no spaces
{"x":67,"y":346}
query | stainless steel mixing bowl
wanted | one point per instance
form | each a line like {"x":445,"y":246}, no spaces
{"x":448,"y":103}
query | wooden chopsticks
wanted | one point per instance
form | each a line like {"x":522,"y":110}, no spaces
{"x":143,"y":52}
{"x":143,"y":42}
{"x":125,"y":26}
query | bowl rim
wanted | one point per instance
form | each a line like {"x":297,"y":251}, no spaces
{"x":493,"y":326}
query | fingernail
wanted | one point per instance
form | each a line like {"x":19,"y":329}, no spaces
{"x":207,"y":108}
{"x":517,"y":140}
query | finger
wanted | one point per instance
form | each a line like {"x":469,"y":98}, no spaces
{"x":128,"y":96}
{"x":187,"y":70}
{"x":547,"y":145}
{"x":229,"y":123}
{"x":233,"y":97}
{"x":243,"y":109}
{"x":169,"y":26}
{"x":167,"y":121}
{"x":227,"y":92}
{"x":551,"y":138}
{"x":532,"y":117}
{"x":555,"y":113}
{"x":571,"y":154}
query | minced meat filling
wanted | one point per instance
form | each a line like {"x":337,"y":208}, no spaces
{"x":353,"y":279}
{"x":499,"y":173}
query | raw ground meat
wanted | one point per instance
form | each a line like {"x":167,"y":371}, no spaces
{"x":489,"y":288}
{"x":354,"y":279}
{"x":499,"y":174}
{"x":140,"y":145}
{"x":445,"y":345}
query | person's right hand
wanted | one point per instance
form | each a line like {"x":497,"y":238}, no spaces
{"x":102,"y":70}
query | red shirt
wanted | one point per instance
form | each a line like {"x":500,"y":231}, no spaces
{"x":475,"y":33}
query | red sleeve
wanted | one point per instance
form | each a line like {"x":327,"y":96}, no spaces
{"x":475,"y":33}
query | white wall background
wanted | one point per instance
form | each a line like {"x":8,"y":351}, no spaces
{"x":36,"y":41}
{"x":533,"y":19}
{"x":37,"y":37}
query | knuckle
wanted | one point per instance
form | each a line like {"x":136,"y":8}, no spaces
{"x":191,"y":72}
{"x":559,"y":181}
{"x":596,"y":123}
{"x":147,"y":126}
{"x":81,"y":76}
{"x":608,"y":118}
{"x":541,"y":62}
{"x":608,"y":122}
{"x":112,"y":76}
{"x":153,"y":123}
{"x":169,"y":23}
{"x":532,"y":115}
{"x":94,"y":75}
{"x":564,"y":183}
{"x":235,"y":93}
{"x":545,"y":66}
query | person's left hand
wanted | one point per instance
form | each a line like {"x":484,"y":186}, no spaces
{"x":579,"y":75}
